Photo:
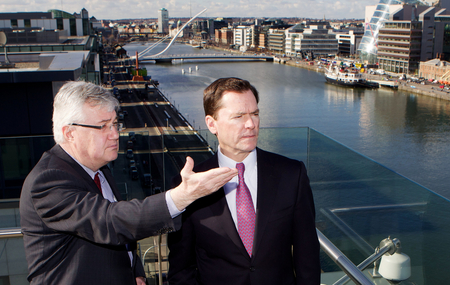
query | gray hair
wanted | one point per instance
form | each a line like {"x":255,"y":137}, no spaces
{"x":68,"y":105}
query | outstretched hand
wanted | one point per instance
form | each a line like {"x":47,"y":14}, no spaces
{"x":196,"y":185}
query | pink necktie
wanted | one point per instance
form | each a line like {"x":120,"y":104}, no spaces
{"x":97,"y":181}
{"x":245,"y":211}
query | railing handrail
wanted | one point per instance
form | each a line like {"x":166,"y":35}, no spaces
{"x":10,"y":233}
{"x":342,"y":261}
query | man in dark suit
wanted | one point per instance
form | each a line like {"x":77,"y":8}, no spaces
{"x":76,"y":230}
{"x":266,"y":236}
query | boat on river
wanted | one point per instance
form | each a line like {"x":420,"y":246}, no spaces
{"x":349,"y":77}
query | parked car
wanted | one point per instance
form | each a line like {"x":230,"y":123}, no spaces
{"x":134,"y":174}
{"x":132,"y":136}
{"x":147,"y":181}
{"x":130,"y":154}
{"x":130,"y":144}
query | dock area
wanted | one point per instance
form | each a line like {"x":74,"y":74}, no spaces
{"x":153,"y":145}
{"x":386,"y":83}
{"x":154,"y":132}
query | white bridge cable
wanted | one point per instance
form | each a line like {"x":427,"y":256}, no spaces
{"x":146,"y":50}
{"x":174,"y":38}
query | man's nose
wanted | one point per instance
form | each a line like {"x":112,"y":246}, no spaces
{"x":114,"y":133}
{"x":249,"y":123}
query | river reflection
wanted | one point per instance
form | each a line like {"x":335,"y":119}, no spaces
{"x":405,"y":132}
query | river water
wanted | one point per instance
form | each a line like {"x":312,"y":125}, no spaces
{"x":407,"y":133}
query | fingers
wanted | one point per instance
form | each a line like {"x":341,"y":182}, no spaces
{"x":196,"y":185}
{"x":220,"y":176}
{"x":188,"y":166}
{"x":215,"y":178}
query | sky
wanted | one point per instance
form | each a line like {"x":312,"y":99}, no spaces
{"x":133,"y":9}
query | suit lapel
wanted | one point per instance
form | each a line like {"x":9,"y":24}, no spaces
{"x":107,"y":172}
{"x":61,"y":153}
{"x":221,"y":212}
{"x":267,"y":192}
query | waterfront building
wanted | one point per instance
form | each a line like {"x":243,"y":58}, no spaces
{"x":276,"y":40}
{"x":442,"y":32}
{"x":224,"y":36}
{"x":318,"y":38}
{"x":262,"y":44}
{"x":403,"y":43}
{"x":163,"y":21}
{"x":348,"y":41}
{"x":308,"y":37}
{"x":244,"y":36}
{"x":374,"y":17}
{"x":435,"y":69}
{"x":217,"y":24}
{"x":292,"y":40}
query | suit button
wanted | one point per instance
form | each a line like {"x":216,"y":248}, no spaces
{"x":252,"y":269}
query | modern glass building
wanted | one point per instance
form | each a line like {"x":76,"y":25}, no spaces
{"x":369,"y":44}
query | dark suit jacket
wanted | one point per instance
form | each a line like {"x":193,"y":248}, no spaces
{"x":208,"y":250}
{"x":72,"y":235}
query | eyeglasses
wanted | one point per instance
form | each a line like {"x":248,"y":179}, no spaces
{"x":115,"y":125}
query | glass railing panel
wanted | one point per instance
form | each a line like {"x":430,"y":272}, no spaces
{"x":18,"y":155}
{"x":290,"y":142}
{"x":358,"y":201}
{"x":13,"y":266}
{"x":9,"y":213}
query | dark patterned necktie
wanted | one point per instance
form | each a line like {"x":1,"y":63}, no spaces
{"x":97,"y":181}
{"x":245,"y":211}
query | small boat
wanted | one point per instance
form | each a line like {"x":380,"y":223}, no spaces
{"x":349,"y":77}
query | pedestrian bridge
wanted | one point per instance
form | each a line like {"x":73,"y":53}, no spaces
{"x":204,"y":57}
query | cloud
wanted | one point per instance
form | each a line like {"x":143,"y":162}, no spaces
{"x":126,"y":9}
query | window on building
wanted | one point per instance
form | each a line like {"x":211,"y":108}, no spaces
{"x":27,"y":23}
{"x":13,"y":22}
{"x":73,"y":27}
{"x":59,"y":24}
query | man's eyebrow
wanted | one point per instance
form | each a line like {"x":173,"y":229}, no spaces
{"x":108,"y":120}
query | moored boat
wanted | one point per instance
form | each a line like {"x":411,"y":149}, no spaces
{"x":349,"y":77}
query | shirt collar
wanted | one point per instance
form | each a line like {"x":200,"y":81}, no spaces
{"x":224,"y":161}
{"x":87,"y":169}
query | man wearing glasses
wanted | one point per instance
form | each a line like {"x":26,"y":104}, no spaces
{"x":76,"y":229}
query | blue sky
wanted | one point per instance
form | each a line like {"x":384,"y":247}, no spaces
{"x":120,"y":9}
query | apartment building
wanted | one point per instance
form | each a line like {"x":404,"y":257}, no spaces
{"x":276,"y":40}
{"x":244,"y":36}
{"x":292,"y":40}
{"x":224,"y":36}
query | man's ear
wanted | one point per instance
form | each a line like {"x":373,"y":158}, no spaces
{"x":67,"y":133}
{"x":211,"y":124}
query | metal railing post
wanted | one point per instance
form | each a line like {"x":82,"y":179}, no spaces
{"x":342,"y":261}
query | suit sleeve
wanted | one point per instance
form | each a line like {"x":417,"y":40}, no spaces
{"x":64,"y":204}
{"x":139,"y":270}
{"x":182,"y":255}
{"x":305,"y":242}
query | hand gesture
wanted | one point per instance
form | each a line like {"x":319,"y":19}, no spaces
{"x":196,"y":185}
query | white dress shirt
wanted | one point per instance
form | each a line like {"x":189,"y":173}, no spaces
{"x":250,"y":178}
